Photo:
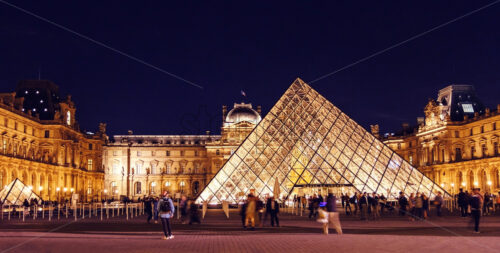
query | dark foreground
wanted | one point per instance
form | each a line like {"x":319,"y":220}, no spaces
{"x":218,"y":234}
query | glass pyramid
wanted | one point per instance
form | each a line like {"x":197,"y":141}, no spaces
{"x":306,"y":140}
{"x":16,"y":192}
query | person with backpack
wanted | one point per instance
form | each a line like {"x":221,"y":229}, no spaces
{"x":166,"y":209}
{"x":476,"y":201}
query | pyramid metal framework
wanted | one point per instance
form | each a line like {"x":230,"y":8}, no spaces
{"x":16,"y":192}
{"x":306,"y":140}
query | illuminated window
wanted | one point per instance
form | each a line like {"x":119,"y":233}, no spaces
{"x":468,"y":108}
{"x":89,"y":164}
{"x":457,"y":134}
{"x":68,"y":118}
{"x":90,"y":146}
{"x":4,"y":146}
{"x":411,"y":159}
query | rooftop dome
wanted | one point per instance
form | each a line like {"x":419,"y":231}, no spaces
{"x":242,"y":112}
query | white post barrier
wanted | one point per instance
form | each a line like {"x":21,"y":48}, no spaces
{"x":75,"y":211}
{"x":9,"y":212}
{"x":126,"y":210}
{"x":58,"y":211}
{"x":24,"y":211}
{"x":101,"y":211}
{"x":83,"y":211}
{"x":50,"y":212}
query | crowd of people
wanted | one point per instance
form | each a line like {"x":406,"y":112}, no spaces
{"x":254,"y":212}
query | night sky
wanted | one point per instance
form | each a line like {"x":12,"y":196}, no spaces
{"x":259,"y":47}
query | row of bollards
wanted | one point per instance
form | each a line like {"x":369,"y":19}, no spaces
{"x":79,"y":210}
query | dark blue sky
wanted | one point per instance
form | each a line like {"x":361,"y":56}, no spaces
{"x":259,"y":47}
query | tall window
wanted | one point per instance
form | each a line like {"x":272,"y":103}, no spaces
{"x":114,"y":188}
{"x":89,"y":164}
{"x":137,"y":188}
{"x":484,"y":150}
{"x":458,"y":154}
{"x":68,"y":118}
{"x":47,"y":133}
{"x":217,"y":152}
{"x":472,"y":151}
{"x":495,"y":148}
{"x":90,"y":146}
{"x":411,"y":159}
{"x":168,"y":153}
{"x":457,"y":134}
{"x":4,"y":146}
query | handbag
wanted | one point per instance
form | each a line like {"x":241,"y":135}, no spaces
{"x":322,"y":216}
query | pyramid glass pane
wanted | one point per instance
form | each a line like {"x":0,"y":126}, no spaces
{"x":16,"y":192}
{"x":306,"y":140}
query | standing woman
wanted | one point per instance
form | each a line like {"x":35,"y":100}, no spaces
{"x":425,"y":206}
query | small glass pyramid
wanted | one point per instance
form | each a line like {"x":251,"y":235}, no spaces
{"x":16,"y":192}
{"x":306,"y":140}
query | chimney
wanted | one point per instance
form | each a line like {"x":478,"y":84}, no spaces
{"x":130,"y":132}
{"x":259,"y":109}
{"x":487,"y":111}
{"x":207,"y":132}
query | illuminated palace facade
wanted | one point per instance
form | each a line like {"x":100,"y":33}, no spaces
{"x":143,"y":165}
{"x":41,"y":144}
{"x":456,"y":144}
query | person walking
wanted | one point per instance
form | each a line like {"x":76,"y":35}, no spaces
{"x":148,"y":208}
{"x":274,"y":209}
{"x":375,"y":206}
{"x":193,"y":213}
{"x":363,"y":206}
{"x":183,"y":209}
{"x":250,"y":211}
{"x":419,"y":204}
{"x":462,"y":202}
{"x":438,"y":201}
{"x":333,"y":215}
{"x":403,"y":202}
{"x":166,"y":209}
{"x":155,"y":209}
{"x":475,"y":206}
{"x":425,"y":206}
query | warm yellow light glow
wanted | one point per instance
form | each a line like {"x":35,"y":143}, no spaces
{"x":40,"y":188}
{"x":181,"y":183}
{"x":116,"y":191}
{"x":105,"y":190}
{"x":167,"y":184}
{"x":72,"y":189}
{"x":30,"y":187}
{"x":464,"y":184}
{"x":476,"y":183}
{"x":489,"y":183}
{"x":153,"y":184}
{"x":58,"y":189}
{"x":442,"y":185}
{"x":65,"y":189}
{"x":452,"y":185}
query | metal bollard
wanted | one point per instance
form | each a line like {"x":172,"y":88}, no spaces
{"x":75,"y":209}
{"x":58,"y":211}
{"x":24,"y":211}
{"x":83,"y":211}
{"x":126,"y":210}
{"x":66,"y":211}
{"x":107,"y":212}
{"x":50,"y":213}
{"x":9,"y":213}
{"x":43,"y":212}
{"x":101,"y":211}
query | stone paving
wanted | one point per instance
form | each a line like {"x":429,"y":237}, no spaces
{"x":219,"y":234}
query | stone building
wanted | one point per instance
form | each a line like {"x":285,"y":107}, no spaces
{"x":456,"y":144}
{"x":42,"y":145}
{"x":141,"y":165}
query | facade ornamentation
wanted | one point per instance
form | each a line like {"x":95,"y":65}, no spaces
{"x":44,"y":151}
{"x":456,"y":152}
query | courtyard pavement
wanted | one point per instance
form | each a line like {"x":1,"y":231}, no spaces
{"x":219,"y":234}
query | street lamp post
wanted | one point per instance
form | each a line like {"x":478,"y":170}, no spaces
{"x":57,"y":190}
{"x":65,"y":190}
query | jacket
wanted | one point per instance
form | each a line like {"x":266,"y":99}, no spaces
{"x":331,"y":203}
{"x":167,"y":215}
